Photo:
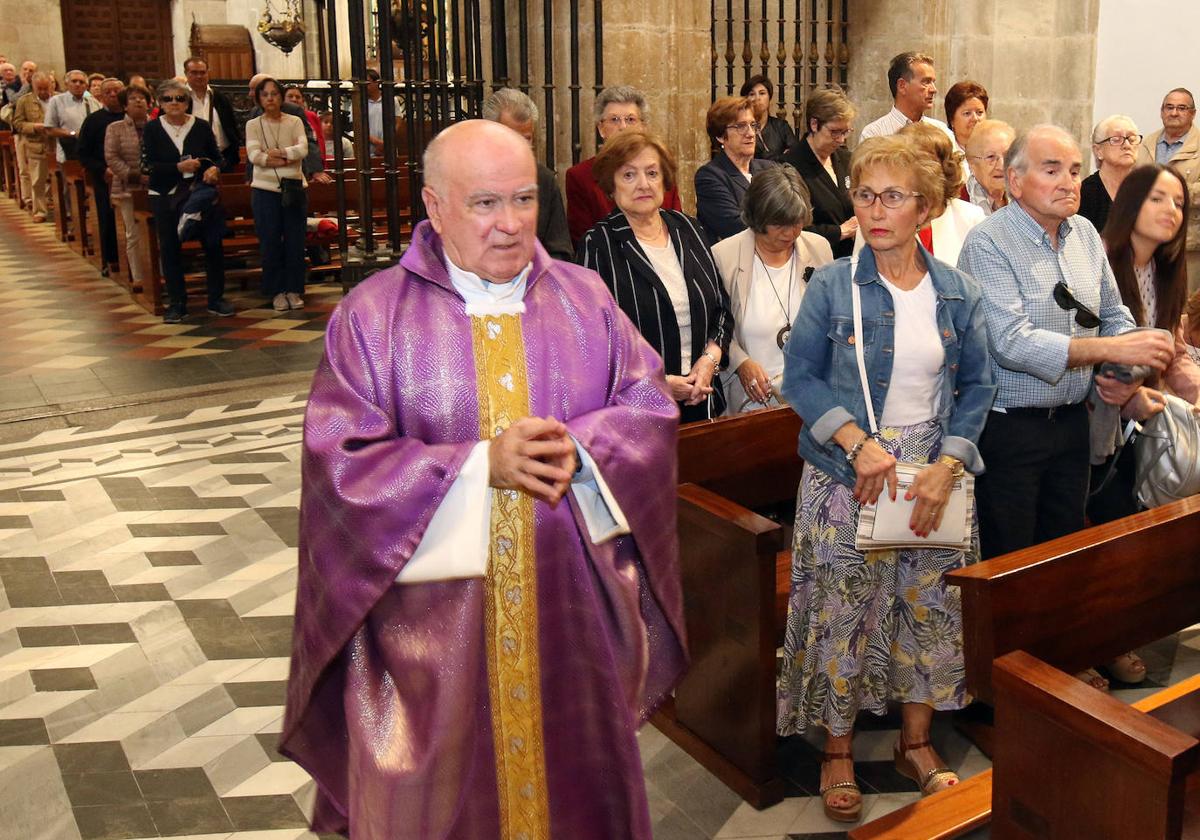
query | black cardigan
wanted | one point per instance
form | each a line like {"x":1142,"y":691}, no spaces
{"x":611,"y":249}
{"x":774,"y":141}
{"x":91,"y":140}
{"x":830,"y":201}
{"x":224,"y":112}
{"x":160,"y":158}
{"x":1095,"y":202}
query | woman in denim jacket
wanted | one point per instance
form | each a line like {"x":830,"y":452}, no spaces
{"x":866,"y":629}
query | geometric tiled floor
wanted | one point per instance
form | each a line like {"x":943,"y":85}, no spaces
{"x":71,"y":335}
{"x":147,"y":574}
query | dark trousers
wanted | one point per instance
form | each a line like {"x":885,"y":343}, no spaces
{"x":1036,"y":480}
{"x":280,"y":241}
{"x":166,"y":221}
{"x":1115,"y":499}
{"x":106,"y":219}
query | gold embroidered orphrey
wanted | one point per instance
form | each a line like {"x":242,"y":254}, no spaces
{"x":511,"y":600}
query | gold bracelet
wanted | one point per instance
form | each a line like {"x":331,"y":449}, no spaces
{"x":957,"y":467}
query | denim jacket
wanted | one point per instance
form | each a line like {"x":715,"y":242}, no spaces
{"x":820,"y":376}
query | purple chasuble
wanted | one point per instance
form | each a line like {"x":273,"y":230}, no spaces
{"x":388,"y":705}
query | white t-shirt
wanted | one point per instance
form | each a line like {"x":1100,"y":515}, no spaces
{"x":764,"y":315}
{"x":666,"y":266}
{"x":919,"y":358}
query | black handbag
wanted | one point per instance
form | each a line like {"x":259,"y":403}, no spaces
{"x":291,"y":191}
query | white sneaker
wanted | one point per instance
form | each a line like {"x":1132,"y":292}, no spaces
{"x":295,"y":301}
{"x":280,"y":303}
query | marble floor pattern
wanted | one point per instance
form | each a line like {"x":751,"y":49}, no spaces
{"x":147,"y":573}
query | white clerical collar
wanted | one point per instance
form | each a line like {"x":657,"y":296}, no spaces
{"x":484,"y":297}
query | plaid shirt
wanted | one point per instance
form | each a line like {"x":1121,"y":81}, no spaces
{"x":1028,"y":333}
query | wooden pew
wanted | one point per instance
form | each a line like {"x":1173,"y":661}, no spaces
{"x":723,"y":712}
{"x":61,"y":206}
{"x":242,"y":241}
{"x":8,"y":165}
{"x":1071,"y":603}
{"x":1077,"y":763}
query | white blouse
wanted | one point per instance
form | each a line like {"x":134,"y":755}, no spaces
{"x":919,"y":360}
{"x":670,"y":273}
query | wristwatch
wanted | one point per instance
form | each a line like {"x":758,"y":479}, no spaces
{"x":957,"y":467}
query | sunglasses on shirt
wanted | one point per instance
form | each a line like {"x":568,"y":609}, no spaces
{"x":1084,"y":317}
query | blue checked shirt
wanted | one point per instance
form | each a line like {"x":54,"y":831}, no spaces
{"x":1028,"y":334}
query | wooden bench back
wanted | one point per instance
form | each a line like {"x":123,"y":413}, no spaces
{"x":1086,"y":597}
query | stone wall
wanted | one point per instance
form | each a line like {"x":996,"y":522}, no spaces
{"x":1035,"y":57}
{"x":33,"y":32}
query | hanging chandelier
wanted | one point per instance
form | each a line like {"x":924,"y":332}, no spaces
{"x":284,"y":30}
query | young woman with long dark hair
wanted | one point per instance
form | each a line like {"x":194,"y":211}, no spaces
{"x":1146,"y":240}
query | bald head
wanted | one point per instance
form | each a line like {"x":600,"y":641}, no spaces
{"x":481,"y":194}
{"x":255,"y":79}
{"x":461,"y":143}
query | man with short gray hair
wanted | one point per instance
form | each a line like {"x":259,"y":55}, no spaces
{"x":1178,"y":143}
{"x":913,"y":83}
{"x":517,"y":111}
{"x":1053,"y":311}
{"x":67,"y":111}
{"x":617,"y":108}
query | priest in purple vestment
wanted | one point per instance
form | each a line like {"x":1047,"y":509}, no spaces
{"x":488,"y":604}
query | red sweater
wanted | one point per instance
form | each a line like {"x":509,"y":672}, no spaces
{"x":587,"y":203}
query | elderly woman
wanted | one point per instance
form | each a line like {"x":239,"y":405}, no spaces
{"x":765,"y":269}
{"x":775,"y":136}
{"x":986,"y":149}
{"x":177,"y":150}
{"x":276,"y":145}
{"x":1115,"y":142}
{"x":123,"y":155}
{"x":824,"y":164}
{"x":722,"y":182}
{"x":951,"y":218}
{"x":866,"y":630}
{"x":658,"y":267}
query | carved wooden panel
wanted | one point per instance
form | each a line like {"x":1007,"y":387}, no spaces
{"x":119,"y":37}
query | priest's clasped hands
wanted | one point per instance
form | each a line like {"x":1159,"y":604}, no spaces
{"x":536,"y":455}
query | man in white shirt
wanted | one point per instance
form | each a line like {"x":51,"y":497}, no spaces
{"x":214,"y":107}
{"x":66,"y":112}
{"x":913,"y":83}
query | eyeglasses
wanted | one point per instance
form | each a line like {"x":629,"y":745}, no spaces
{"x":865,"y":197}
{"x":1177,"y":109}
{"x":173,"y":98}
{"x":990,"y":160}
{"x":743,"y":127}
{"x":1084,"y":317}
{"x":1121,"y":139}
{"x":618,"y":121}
{"x":838,"y":134}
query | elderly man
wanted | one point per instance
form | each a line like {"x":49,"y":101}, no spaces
{"x":473,"y":651}
{"x":617,"y":108}
{"x":214,"y":107}
{"x":91,"y":155}
{"x":516,"y":110}
{"x":28,"y":68}
{"x":10,"y":88}
{"x":913,"y":83}
{"x":1053,"y":311}
{"x":29,"y":117}
{"x":1178,"y":143}
{"x":67,"y":111}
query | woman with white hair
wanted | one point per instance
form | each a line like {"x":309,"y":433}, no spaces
{"x":765,"y":270}
{"x":1115,"y":142}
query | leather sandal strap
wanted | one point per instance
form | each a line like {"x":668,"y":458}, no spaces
{"x":904,"y":748}
{"x":836,"y":785}
{"x":837,"y":756}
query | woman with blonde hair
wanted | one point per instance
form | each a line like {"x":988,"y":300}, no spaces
{"x":867,"y":629}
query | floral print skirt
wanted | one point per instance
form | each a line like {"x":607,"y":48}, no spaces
{"x":866,"y":629}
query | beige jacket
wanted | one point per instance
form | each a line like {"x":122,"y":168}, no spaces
{"x":1187,"y":162}
{"x":734,"y":257}
{"x":29,"y":110}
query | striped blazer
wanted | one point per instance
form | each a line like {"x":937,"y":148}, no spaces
{"x":611,"y":249}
